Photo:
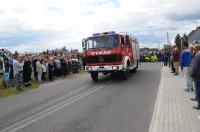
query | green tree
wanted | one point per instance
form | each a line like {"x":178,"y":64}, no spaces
{"x":144,"y":49}
{"x":184,"y":40}
{"x":178,"y":41}
{"x":47,"y":51}
{"x":167,"y":46}
{"x":16,"y":53}
{"x":64,"y":48}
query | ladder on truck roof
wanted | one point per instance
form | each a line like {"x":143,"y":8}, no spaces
{"x":129,"y":34}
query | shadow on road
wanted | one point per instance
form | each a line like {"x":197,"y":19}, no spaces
{"x":114,"y":78}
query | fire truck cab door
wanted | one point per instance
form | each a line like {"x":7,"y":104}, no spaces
{"x":126,"y":47}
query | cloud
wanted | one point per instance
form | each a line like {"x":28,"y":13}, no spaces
{"x":183,"y":10}
{"x":38,"y":25}
{"x":185,"y":16}
{"x":24,"y":36}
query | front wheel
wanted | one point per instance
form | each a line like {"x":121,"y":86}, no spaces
{"x":94,"y":76}
{"x":135,"y":69}
{"x":125,"y":74}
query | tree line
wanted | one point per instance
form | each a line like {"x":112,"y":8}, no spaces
{"x":181,"y":41}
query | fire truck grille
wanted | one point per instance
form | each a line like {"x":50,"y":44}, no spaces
{"x":103,"y":58}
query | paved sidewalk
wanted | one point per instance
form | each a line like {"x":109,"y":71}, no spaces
{"x":173,"y":110}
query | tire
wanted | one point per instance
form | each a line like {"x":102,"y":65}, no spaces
{"x":135,"y":69}
{"x":94,"y":76}
{"x":125,"y":74}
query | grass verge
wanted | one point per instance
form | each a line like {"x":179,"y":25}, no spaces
{"x":2,"y":83}
{"x":4,"y":92}
{"x":12,"y":90}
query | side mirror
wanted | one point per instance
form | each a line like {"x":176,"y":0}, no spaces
{"x":122,"y":40}
{"x":127,"y":39}
{"x":84,"y":43}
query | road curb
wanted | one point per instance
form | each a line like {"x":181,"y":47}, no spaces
{"x":153,"y":127}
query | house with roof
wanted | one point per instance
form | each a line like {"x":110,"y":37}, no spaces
{"x":194,"y":36}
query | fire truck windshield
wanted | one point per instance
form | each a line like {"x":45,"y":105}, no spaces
{"x":107,"y":41}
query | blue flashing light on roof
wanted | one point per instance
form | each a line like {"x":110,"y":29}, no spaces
{"x":104,"y":33}
{"x":96,"y":34}
{"x":112,"y":32}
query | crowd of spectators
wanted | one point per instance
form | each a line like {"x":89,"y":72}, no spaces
{"x":47,"y":66}
{"x":40,"y":67}
{"x":195,"y":74}
{"x":186,"y":60}
{"x":151,"y":56}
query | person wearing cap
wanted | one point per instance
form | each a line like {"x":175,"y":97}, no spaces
{"x":195,"y":74}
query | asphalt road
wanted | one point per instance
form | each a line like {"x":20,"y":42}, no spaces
{"x":78,"y":104}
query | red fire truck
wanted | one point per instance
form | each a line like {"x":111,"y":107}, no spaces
{"x":111,"y":52}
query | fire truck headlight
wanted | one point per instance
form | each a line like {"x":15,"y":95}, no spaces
{"x":88,"y":68}
{"x":115,"y":67}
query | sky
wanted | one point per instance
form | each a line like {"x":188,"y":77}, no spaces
{"x":37,"y":25}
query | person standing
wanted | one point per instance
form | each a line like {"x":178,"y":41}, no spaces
{"x":195,"y":74}
{"x":58,"y":66}
{"x":51,"y":70}
{"x":172,"y":61}
{"x":18,"y":70}
{"x":169,"y":55}
{"x":160,"y":56}
{"x":26,"y":70}
{"x":39,"y":70}
{"x":176,"y":56}
{"x":47,"y":70}
{"x":30,"y":68}
{"x":185,"y":64}
{"x":63,"y":66}
{"x":165,"y":57}
{"x":44,"y":69}
{"x":6,"y":63}
{"x":34,"y":61}
{"x":10,"y":61}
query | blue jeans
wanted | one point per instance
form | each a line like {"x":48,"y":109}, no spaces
{"x":197,"y":88}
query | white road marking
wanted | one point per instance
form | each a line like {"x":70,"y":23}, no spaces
{"x":34,"y":118}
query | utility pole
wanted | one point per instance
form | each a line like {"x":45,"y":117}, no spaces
{"x":168,"y":42}
{"x":158,"y":45}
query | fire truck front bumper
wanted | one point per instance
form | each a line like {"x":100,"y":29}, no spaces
{"x":104,"y":68}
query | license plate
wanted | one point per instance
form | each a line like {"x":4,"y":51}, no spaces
{"x":101,"y":69}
